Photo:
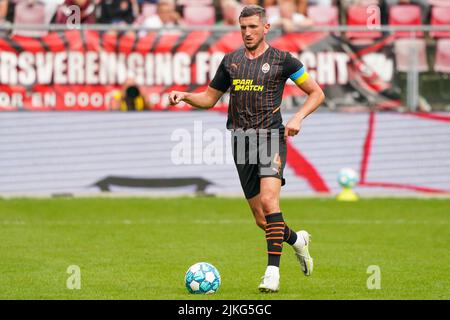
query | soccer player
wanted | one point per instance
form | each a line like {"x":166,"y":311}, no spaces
{"x":256,"y":75}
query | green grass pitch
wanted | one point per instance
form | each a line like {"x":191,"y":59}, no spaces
{"x":134,"y":248}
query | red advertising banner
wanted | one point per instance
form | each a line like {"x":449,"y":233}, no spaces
{"x":89,"y":70}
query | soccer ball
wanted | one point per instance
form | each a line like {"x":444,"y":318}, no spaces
{"x":347,"y":178}
{"x":202,"y":278}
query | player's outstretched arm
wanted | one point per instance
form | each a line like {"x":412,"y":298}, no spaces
{"x":315,"y":98}
{"x":202,"y":100}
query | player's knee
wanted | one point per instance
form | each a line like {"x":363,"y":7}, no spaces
{"x":269,"y":203}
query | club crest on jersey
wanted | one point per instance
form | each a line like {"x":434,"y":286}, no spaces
{"x":265,"y":68}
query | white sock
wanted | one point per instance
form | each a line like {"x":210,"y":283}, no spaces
{"x":273,"y":270}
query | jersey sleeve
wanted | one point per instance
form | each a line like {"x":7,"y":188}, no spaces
{"x":222,"y":79}
{"x":294,"y":70}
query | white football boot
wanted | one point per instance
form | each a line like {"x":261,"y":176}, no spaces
{"x":271,"y":280}
{"x":302,"y":252}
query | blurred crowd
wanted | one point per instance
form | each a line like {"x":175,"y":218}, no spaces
{"x":287,"y":14}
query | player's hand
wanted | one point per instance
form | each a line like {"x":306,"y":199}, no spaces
{"x":176,"y":96}
{"x":293,"y":126}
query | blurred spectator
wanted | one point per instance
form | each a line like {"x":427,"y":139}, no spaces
{"x":321,"y":2}
{"x":166,"y":16}
{"x":288,"y":19}
{"x":269,"y":3}
{"x":118,"y":11}
{"x":231,"y":10}
{"x":103,"y":11}
{"x":217,"y":4}
{"x":302,"y":6}
{"x":87,"y":11}
{"x":3,"y":10}
{"x":141,"y":2}
{"x":29,"y":12}
{"x":249,"y":2}
{"x":129,"y":98}
{"x":51,"y":7}
{"x":3,"y":16}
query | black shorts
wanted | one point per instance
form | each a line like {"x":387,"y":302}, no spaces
{"x":258,"y":155}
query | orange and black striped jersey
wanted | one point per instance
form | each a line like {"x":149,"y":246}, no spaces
{"x":256,"y":86}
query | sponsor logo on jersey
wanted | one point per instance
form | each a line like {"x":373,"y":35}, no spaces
{"x":246,"y":85}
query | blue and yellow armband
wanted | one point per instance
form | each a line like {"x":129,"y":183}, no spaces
{"x":299,"y":76}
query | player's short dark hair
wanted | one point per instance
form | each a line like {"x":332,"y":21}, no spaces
{"x":253,"y":10}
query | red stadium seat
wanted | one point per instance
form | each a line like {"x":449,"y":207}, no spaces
{"x":405,"y":15}
{"x":324,"y":15}
{"x":358,"y":16}
{"x":440,"y":16}
{"x":403,"y":54}
{"x":442,"y":62}
{"x":199,"y":16}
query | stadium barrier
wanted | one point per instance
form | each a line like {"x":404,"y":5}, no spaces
{"x":169,"y":153}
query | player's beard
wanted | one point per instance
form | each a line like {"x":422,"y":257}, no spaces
{"x":255,"y":46}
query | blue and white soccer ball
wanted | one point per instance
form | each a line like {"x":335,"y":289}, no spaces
{"x":348,"y":178}
{"x":202,"y":278}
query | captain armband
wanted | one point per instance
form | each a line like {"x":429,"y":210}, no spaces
{"x":300,"y":76}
